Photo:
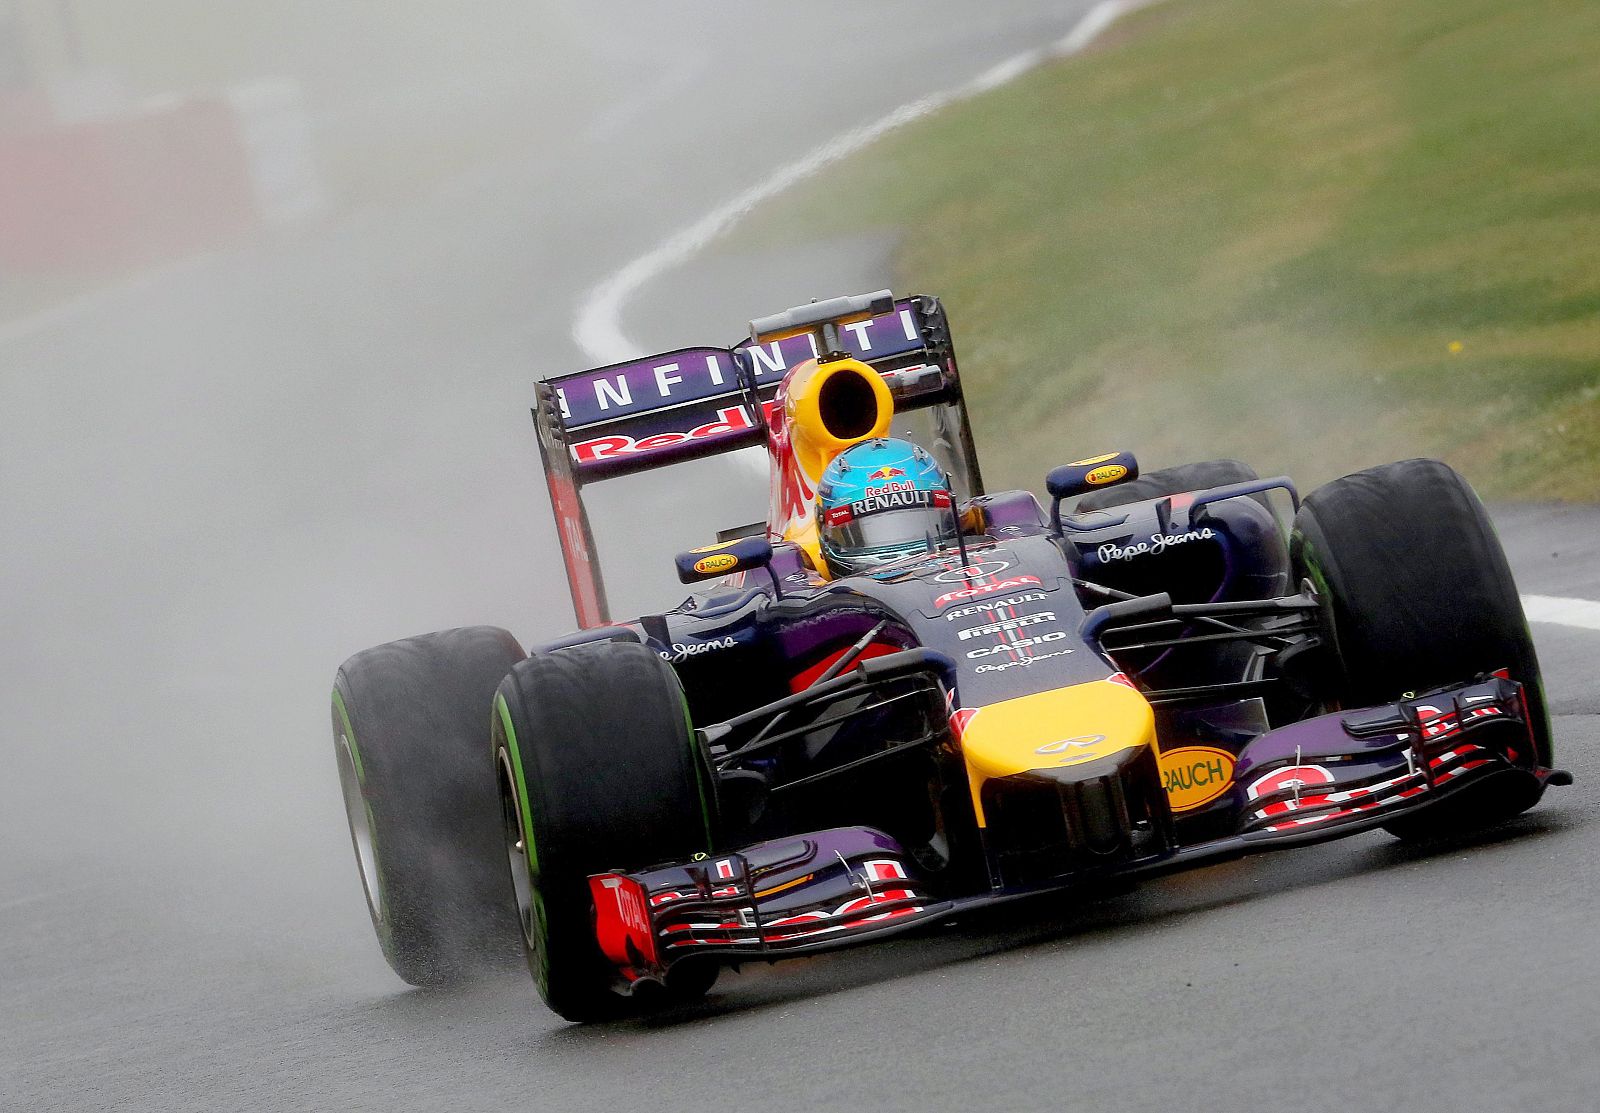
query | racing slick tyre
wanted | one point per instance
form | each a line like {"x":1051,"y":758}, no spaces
{"x":409,"y":723}
{"x":599,"y":770}
{"x":1419,"y":595}
{"x":1170,"y":481}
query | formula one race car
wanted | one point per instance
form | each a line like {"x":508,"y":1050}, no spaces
{"x":1143,"y":673}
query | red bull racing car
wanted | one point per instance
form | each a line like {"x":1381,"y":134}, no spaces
{"x":1136,"y":674}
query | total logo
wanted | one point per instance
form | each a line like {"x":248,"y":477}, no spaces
{"x":630,"y":909}
{"x":1025,"y":643}
{"x":979,"y":571}
{"x":682,"y":652}
{"x":973,"y":592}
{"x":1007,"y":624}
{"x":994,"y":605}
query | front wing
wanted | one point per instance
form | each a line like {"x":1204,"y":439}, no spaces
{"x":1310,"y":781}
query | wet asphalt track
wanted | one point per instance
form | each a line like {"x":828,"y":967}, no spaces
{"x":217,"y":485}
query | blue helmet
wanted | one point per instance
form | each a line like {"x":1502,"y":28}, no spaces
{"x":879,"y":501}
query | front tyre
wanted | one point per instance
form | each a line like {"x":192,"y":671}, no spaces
{"x":599,"y":770}
{"x":409,"y":722}
{"x":1419,"y":595}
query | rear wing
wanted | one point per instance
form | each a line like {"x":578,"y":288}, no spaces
{"x":694,"y":402}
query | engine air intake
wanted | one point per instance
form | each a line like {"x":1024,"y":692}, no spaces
{"x":847,"y":405}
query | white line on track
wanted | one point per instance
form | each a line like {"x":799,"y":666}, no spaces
{"x":1583,"y":613}
{"x":598,"y":327}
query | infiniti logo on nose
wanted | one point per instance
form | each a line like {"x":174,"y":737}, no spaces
{"x":1082,"y":742}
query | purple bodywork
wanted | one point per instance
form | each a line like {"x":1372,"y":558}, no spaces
{"x":1315,"y":779}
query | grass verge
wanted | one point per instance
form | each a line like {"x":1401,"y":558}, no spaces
{"x":1313,"y":234}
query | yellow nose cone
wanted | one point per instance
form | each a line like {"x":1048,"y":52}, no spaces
{"x":1053,"y":730}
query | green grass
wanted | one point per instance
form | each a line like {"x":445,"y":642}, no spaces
{"x":1314,"y":234}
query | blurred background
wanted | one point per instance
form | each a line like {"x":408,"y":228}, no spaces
{"x":125,"y":146}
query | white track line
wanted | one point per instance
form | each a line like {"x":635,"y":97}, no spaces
{"x":598,"y":327}
{"x":1583,"y":613}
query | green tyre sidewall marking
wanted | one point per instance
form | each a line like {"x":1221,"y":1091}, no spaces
{"x":540,"y":930}
{"x":526,"y":812}
{"x":375,"y":904}
{"x":350,"y":735}
{"x":696,"y":760}
{"x":1319,"y":580}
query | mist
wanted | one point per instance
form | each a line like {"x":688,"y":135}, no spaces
{"x":276,"y":280}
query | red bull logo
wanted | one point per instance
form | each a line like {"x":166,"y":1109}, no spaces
{"x":886,"y":472}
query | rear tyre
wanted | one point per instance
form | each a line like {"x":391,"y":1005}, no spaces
{"x":599,"y":770}
{"x":1169,"y":481}
{"x":1419,"y":595}
{"x":409,"y":723}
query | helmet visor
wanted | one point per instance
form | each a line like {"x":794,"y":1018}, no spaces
{"x":887,"y":524}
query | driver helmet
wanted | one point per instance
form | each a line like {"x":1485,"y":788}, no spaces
{"x":879,"y":501}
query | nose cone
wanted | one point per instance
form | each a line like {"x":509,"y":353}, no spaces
{"x":1054,"y":731}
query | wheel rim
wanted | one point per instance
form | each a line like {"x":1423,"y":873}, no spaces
{"x":356,"y":811}
{"x":516,"y":850}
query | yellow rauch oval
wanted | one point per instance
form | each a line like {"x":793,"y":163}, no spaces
{"x":1195,"y":775}
{"x":1108,"y":474}
{"x":719,"y":563}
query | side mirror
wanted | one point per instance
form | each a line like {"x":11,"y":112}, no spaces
{"x":723,"y":559}
{"x":1082,"y":476}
